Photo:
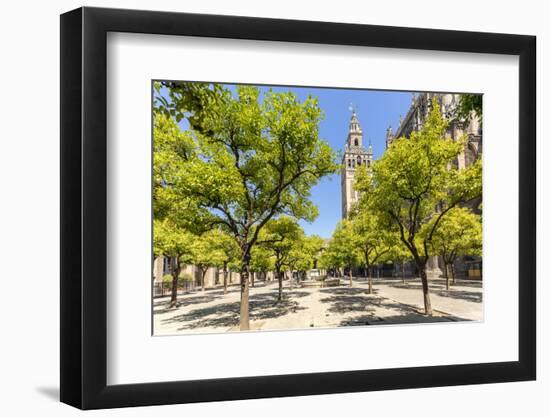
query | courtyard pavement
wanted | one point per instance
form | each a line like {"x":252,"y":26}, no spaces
{"x":392,"y":302}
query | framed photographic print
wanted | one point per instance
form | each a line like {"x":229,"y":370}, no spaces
{"x":257,"y":208}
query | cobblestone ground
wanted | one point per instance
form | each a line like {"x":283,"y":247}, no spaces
{"x":392,"y":302}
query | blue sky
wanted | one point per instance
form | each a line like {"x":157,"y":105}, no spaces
{"x":376,"y":111}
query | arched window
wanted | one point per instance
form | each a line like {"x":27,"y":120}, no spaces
{"x":356,"y":142}
{"x":349,"y":163}
{"x":358,"y":160}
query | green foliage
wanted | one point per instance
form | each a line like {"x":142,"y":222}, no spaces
{"x":373,"y":239}
{"x":342,"y":250}
{"x":304,"y":253}
{"x":206,"y":252}
{"x":470,"y":105}
{"x":186,"y":277}
{"x":190,"y":100}
{"x":181,"y":279}
{"x":262,"y":259}
{"x":226,"y":247}
{"x":415,"y":184}
{"x":459,"y":233}
{"x":314,"y":246}
{"x":281,"y":237}
{"x":171,"y":241}
{"x":171,"y":147}
{"x":250,"y":159}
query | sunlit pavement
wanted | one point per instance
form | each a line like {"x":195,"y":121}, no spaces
{"x":392,"y":302}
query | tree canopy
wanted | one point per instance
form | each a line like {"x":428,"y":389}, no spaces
{"x":247,"y":158}
{"x":415,"y":184}
{"x":342,"y":250}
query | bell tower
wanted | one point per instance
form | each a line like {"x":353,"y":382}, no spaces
{"x":354,"y":156}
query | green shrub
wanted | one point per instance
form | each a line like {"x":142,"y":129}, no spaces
{"x":184,"y":276}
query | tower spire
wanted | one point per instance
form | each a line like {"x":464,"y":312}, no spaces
{"x":355,"y":133}
{"x":389,"y":136}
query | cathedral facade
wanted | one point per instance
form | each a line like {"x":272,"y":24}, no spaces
{"x":418,"y":112}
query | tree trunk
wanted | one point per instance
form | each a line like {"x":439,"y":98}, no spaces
{"x":203,"y":276}
{"x":175,"y":275}
{"x":425,"y":290}
{"x":280,"y":278}
{"x":174,"y":297}
{"x":244,"y":312}
{"x":350,"y":278}
{"x":403,"y":272}
{"x":369,"y":277}
{"x":446,"y":275}
{"x":225,"y":277}
{"x":453,"y":275}
{"x":252,"y":278}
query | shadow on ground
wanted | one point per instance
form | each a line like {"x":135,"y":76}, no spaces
{"x":367,"y":320}
{"x":439,"y":289}
{"x":474,"y":297}
{"x":49,"y":392}
{"x":347,"y":291}
{"x":350,"y":300}
{"x":261,"y":307}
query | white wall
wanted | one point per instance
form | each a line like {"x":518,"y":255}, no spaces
{"x":29,"y":160}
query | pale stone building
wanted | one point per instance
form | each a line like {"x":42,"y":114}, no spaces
{"x":161,"y":267}
{"x":355,"y":155}
{"x":419,"y":110}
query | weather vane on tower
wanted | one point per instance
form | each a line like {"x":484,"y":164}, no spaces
{"x":353,"y":108}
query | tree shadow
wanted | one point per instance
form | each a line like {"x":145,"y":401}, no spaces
{"x":369,"y":306}
{"x":219,"y":315}
{"x":342,"y":304}
{"x":369,"y":320}
{"x":409,"y":286}
{"x":474,"y":297}
{"x":470,"y":284}
{"x":161,"y":307}
{"x":266,"y":309}
{"x":262,"y":307}
{"x":438,"y":288}
{"x":346,"y":291}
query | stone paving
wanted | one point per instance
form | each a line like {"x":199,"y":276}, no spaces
{"x":392,"y":302}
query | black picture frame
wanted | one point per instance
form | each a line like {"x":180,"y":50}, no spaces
{"x":84,"y":207}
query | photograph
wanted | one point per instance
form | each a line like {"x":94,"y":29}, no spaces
{"x":292,"y":207}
